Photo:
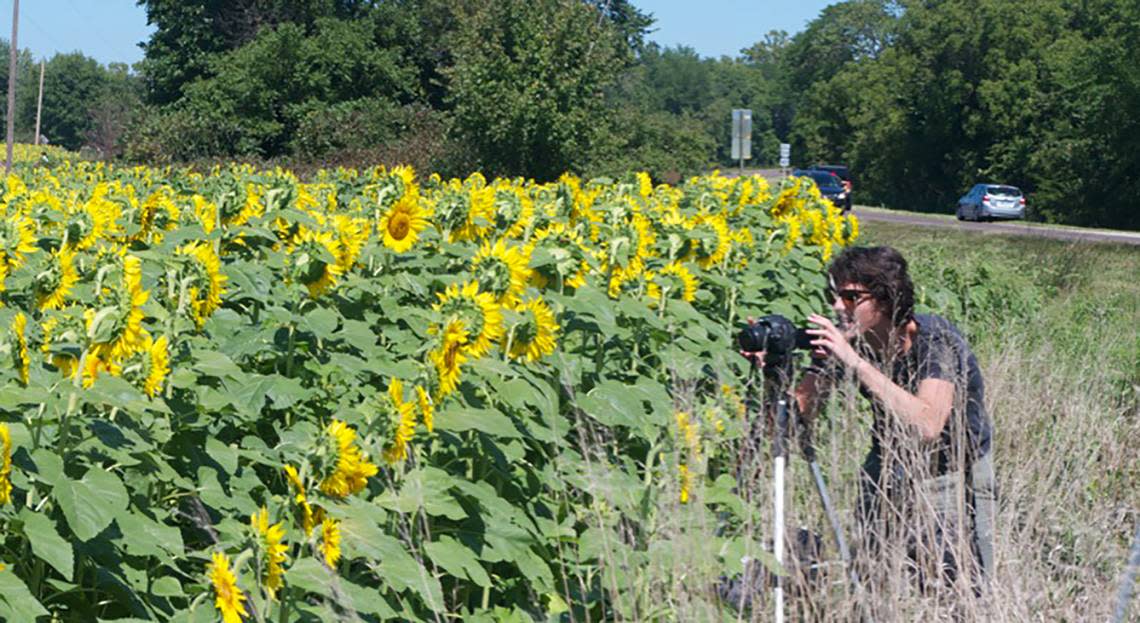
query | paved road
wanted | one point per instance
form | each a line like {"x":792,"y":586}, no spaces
{"x":1015,"y":228}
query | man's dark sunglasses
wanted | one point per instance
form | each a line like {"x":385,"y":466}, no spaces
{"x":850,"y":295}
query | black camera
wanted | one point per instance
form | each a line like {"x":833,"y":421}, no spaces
{"x":776,"y":336}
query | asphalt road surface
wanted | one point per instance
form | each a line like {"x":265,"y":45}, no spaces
{"x":1015,"y":228}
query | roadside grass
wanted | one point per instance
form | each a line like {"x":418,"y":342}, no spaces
{"x":948,"y":216}
{"x":1054,"y":326}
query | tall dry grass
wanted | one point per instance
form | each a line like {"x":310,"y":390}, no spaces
{"x":1062,"y":392}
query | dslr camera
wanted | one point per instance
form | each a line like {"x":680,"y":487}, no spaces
{"x":776,"y":336}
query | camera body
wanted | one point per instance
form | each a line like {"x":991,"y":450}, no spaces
{"x":776,"y":336}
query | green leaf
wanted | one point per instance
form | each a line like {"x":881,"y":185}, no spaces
{"x":213,"y":363}
{"x":366,"y":600}
{"x":458,"y":560}
{"x":90,"y":504}
{"x":612,"y":404}
{"x":490,"y":421}
{"x":397,"y":566}
{"x":427,"y":489}
{"x":49,"y":466}
{"x":166,"y":586}
{"x":248,"y":395}
{"x":147,"y":537}
{"x":310,"y":575}
{"x":47,"y":544}
{"x":286,"y":392}
{"x":16,"y":602}
{"x":322,"y":322}
{"x":226,"y":456}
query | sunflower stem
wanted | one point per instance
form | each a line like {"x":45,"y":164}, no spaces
{"x":72,"y":401}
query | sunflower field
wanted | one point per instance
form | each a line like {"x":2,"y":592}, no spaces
{"x":373,"y":395}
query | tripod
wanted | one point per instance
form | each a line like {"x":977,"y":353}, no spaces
{"x":776,"y":381}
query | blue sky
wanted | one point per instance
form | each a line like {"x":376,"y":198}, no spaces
{"x":109,"y":30}
{"x":724,"y":27}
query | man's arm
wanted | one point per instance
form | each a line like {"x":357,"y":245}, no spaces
{"x":927,"y":410}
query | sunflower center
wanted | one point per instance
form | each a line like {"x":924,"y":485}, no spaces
{"x":399,"y":225}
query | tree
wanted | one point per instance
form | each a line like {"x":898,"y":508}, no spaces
{"x":72,"y":82}
{"x":189,"y":33}
{"x":527,"y":86}
{"x":112,"y":114}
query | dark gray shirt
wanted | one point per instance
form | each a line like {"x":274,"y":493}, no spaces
{"x":939,"y":352}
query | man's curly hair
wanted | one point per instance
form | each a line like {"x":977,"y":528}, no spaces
{"x":883,"y":271}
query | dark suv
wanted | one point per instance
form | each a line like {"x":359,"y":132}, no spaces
{"x":840,"y":170}
{"x":830,"y":186}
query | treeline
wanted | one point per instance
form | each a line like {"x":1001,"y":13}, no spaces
{"x":921,"y":98}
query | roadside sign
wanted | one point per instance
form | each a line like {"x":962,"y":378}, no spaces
{"x":741,"y":134}
{"x":785,"y":154}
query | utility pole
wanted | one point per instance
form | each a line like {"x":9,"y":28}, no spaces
{"x":40,"y":102}
{"x":12,"y":84}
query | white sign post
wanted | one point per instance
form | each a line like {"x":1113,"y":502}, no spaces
{"x":785,"y":156}
{"x":741,"y":135}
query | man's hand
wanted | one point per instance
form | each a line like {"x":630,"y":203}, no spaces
{"x":756,"y":358}
{"x":831,"y":342}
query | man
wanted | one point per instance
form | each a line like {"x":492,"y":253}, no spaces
{"x":928,"y":480}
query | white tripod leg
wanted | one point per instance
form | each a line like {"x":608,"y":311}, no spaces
{"x":778,"y":535}
{"x":778,"y":502}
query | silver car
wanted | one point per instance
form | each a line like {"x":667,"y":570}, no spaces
{"x":991,"y":201}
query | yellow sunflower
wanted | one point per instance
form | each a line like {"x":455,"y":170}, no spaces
{"x":401,"y":225}
{"x":208,"y":284}
{"x":17,"y":241}
{"x":20,"y":347}
{"x":352,"y":234}
{"x":513,"y":209}
{"x":330,"y":541}
{"x":536,"y":335}
{"x":570,"y":256}
{"x":465,"y":210}
{"x":427,"y":408}
{"x":228,"y":597}
{"x":157,"y":364}
{"x":480,"y":314}
{"x":116,"y":329}
{"x":351,"y":470}
{"x":501,"y":270}
{"x":405,"y":414}
{"x":269,"y":540}
{"x":684,"y":284}
{"x":450,"y":356}
{"x":5,"y":465}
{"x":61,"y":361}
{"x":94,"y":221}
{"x":309,"y":517}
{"x":54,"y":284}
{"x":313,"y":258}
{"x":686,"y":479}
{"x":711,"y":240}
